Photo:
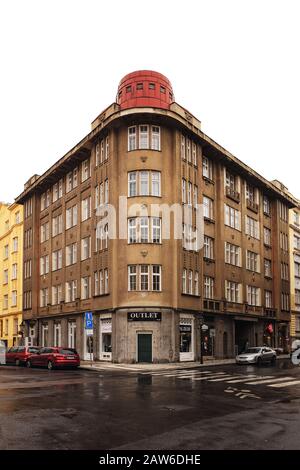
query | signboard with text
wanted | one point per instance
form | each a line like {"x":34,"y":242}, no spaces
{"x":88,"y":321}
{"x":144,"y":316}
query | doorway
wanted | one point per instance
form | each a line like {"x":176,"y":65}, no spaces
{"x":144,"y":347}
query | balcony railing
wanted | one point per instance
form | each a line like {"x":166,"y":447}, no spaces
{"x":270,"y":312}
{"x":212,"y":305}
{"x":253,"y":206}
{"x":233,"y":194}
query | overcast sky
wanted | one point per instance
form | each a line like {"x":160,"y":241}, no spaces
{"x":233,"y":63}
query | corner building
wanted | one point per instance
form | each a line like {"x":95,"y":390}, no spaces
{"x":154,"y":298}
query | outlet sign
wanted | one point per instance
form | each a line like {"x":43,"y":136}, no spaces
{"x":144,"y":316}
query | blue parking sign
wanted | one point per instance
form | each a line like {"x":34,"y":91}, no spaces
{"x":88,"y":320}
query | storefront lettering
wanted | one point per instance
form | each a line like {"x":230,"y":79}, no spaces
{"x":144,"y":316}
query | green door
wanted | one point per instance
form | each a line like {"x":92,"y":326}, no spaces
{"x":144,"y":347}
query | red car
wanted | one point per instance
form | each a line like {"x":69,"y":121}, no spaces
{"x":19,"y":355}
{"x":54,"y":357}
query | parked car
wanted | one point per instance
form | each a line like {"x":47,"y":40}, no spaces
{"x":54,"y":358}
{"x":256,"y":356}
{"x":19,"y":355}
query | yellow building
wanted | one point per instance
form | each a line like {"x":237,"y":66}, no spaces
{"x":11,"y":273}
{"x":295,"y":271}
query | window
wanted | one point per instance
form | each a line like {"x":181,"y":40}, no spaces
{"x":56,"y":294}
{"x":14,"y":298}
{"x":267,"y":268}
{"x":285,"y":271}
{"x":297,"y":269}
{"x":44,"y":335}
{"x":55,"y":192}
{"x":44,"y":297}
{"x":17,"y":218}
{"x":44,"y":265}
{"x":285,"y":301}
{"x":97,"y":154}
{"x":232,"y":291}
{"x":27,"y":299}
{"x":156,"y":229}
{"x":45,"y":200}
{"x":232,"y":217}
{"x":151,"y":86}
{"x":56,"y":260}
{"x":208,"y":287}
{"x":252,"y":261}
{"x":14,"y":271}
{"x":60,"y":188}
{"x":189,"y":193}
{"x":45,"y":232}
{"x":28,"y":238}
{"x":252,"y":227}
{"x":5,"y":252}
{"x":297,"y":296}
{"x":194,"y":154}
{"x":144,"y":137}
{"x":85,"y":208}
{"x":283,"y":212}
{"x":190,"y":282}
{"x":28,"y":208}
{"x":57,"y":335}
{"x":71,"y":180}
{"x":144,"y":230}
{"x":188,"y":150}
{"x":208,"y":248}
{"x":15,"y":244}
{"x":5,"y":276}
{"x":16,"y":326}
{"x":144,"y":183}
{"x":184,"y":289}
{"x":296,"y":242}
{"x":195,"y":196}
{"x":232,"y":254}
{"x":72,"y":334}
{"x":162,"y":89}
{"x":267,"y":206}
{"x":253,"y":295}
{"x":85,"y":248}
{"x":71,"y":291}
{"x":57,"y":227}
{"x":155,"y":138}
{"x":196,"y":283}
{"x":144,"y":277}
{"x":183,"y":147}
{"x":85,"y":287}
{"x":27,"y":269}
{"x":106,"y":191}
{"x":268,"y":299}
{"x":231,"y":182}
{"x":5,"y":302}
{"x":71,"y":254}
{"x":208,"y":208}
{"x":296,"y":218}
{"x":85,"y":170}
{"x":250,"y":193}
{"x":283,"y":241}
{"x":71,"y":216}
{"x":106,"y":147}
{"x":101,"y":282}
{"x":139,"y":86}
{"x":207,"y":170}
{"x":105,"y":281}
{"x":183,"y":191}
{"x":132,"y":143}
{"x":267,"y":236}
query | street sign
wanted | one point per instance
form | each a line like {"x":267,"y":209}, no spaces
{"x":204,"y":327}
{"x":88,"y":321}
{"x":89,"y":332}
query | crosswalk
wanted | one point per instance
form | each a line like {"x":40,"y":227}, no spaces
{"x":197,"y":375}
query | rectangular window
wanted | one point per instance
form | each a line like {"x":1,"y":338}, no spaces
{"x":144,"y":272}
{"x":144,"y":183}
{"x":132,"y":278}
{"x":207,"y":168}
{"x":208,"y":287}
{"x":194,"y":153}
{"x":132,"y":185}
{"x":155,"y":183}
{"x":232,"y":217}
{"x":195,"y":196}
{"x":85,"y":170}
{"x":45,"y":232}
{"x":55,"y":192}
{"x":252,"y":261}
{"x":267,"y":206}
{"x":144,"y":229}
{"x":71,"y":254}
{"x":196,"y":283}
{"x":285,"y":301}
{"x":85,"y":248}
{"x":283,"y":211}
{"x":190,"y":282}
{"x":296,"y":218}
{"x":5,"y":252}
{"x":106,"y":147}
{"x":44,"y":265}
{"x":71,"y":291}
{"x":296,"y":242}
{"x":56,"y":260}
{"x":14,"y":271}
{"x":143,"y":137}
{"x":267,"y":236}
{"x":106,"y":192}
{"x":268,"y":299}
{"x":183,"y":191}
{"x":156,"y":277}
{"x":232,"y":254}
{"x":156,"y":229}
{"x":14,"y":298}
{"x":232,"y":291}
{"x":208,"y":208}
{"x":267,"y":268}
{"x":105,"y":281}
{"x":183,"y":147}
{"x":189,"y":193}
{"x":57,"y":225}
{"x":132,"y":144}
{"x":188,"y":150}
{"x":252,"y":227}
{"x":184,"y":289}
{"x":132,"y":230}
{"x":297,"y":296}
{"x":71,"y":217}
{"x":85,"y":287}
{"x":155,"y":138}
{"x":253,"y":295}
{"x":297,"y":269}
{"x":208,"y":248}
{"x":56,"y":294}
{"x":5,"y":276}
{"x":85,"y":208}
{"x":44,"y":297}
{"x":285,"y":271}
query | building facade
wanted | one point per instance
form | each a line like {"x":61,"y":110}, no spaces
{"x":295,"y":271}
{"x":11,"y":275}
{"x":101,"y":236}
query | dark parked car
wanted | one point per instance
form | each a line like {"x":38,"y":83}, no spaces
{"x":19,"y":355}
{"x":54,"y":357}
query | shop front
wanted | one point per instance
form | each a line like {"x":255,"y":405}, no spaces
{"x":186,"y":335}
{"x":269,"y":334}
{"x":105,"y":336}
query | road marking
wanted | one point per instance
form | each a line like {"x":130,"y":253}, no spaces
{"x":41,"y":384}
{"x":181,"y":372}
{"x":215,"y":376}
{"x":224,"y":378}
{"x":285,"y":384}
{"x":249,"y":378}
{"x":281,"y":379}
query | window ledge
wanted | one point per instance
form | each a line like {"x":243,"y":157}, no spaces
{"x":209,"y":220}
{"x":208,"y":180}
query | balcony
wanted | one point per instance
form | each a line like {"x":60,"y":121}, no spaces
{"x":252,"y":205}
{"x":232,"y":194}
{"x":254,"y":309}
{"x":211,"y":305}
{"x":270,"y":312}
{"x":234,"y":307}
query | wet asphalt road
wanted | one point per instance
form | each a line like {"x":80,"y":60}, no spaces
{"x":211,"y":408}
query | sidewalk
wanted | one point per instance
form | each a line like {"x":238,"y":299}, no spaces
{"x":97,"y":366}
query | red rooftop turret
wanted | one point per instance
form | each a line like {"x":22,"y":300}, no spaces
{"x":145,"y":88}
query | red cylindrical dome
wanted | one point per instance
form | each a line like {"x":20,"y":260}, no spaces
{"x":145,"y":88}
